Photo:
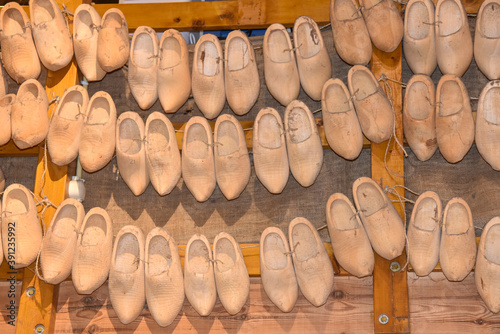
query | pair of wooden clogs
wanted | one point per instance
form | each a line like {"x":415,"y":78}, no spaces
{"x":300,"y":263}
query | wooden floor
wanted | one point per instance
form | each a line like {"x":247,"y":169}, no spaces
{"x":436,"y":306}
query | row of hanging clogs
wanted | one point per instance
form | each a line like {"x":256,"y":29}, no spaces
{"x":47,"y":38}
{"x":441,"y":36}
{"x":443,"y":117}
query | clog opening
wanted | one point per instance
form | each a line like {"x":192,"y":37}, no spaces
{"x":42,"y":11}
{"x":336,"y":99}
{"x":342,"y":216}
{"x":274,"y":252}
{"x":363,"y":84}
{"x":95,"y":231}
{"x":227,"y":138}
{"x":99,"y":111}
{"x":450,"y":18}
{"x":65,"y":221}
{"x":278,"y":47}
{"x":308,"y":40}
{"x":16,"y":202}
{"x":198,"y":257}
{"x":127,"y":253}
{"x":159,"y":257}
{"x":225,"y":255}
{"x":490,"y":22}
{"x":112,"y":20}
{"x":171,"y":53}
{"x":30,"y":92}
{"x":7,"y":100}
{"x":83,"y":25}
{"x":492,"y":244}
{"x":158,"y":137}
{"x":426,"y":216}
{"x":13,"y":22}
{"x":269,"y":132}
{"x":71,"y":107}
{"x":197,"y":142}
{"x":130,"y":140}
{"x":238,"y":54}
{"x":208,"y":59}
{"x":299,"y":127}
{"x":457,"y":220}
{"x":369,"y":198}
{"x":303,"y":242}
{"x":419,"y":101}
{"x":451,"y":99}
{"x":144,"y":51}
{"x":490,"y":106}
{"x":418,"y":21}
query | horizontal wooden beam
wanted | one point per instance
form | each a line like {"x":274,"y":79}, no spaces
{"x":11,"y":150}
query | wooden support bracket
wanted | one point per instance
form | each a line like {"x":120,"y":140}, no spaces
{"x":390,"y":290}
{"x":37,"y":307}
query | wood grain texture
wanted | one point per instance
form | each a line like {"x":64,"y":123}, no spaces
{"x":40,"y":308}
{"x":347,"y":310}
{"x":9,"y":295}
{"x":387,"y":165}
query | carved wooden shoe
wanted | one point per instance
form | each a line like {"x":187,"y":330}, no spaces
{"x":30,"y":121}
{"x":208,"y":76}
{"x":113,"y":45}
{"x":198,"y":166}
{"x":270,"y":157}
{"x":231,"y":275}
{"x":383,"y":22}
{"x":232,"y":163}
{"x":488,"y":124}
{"x":97,"y":141}
{"x":126,"y":275}
{"x":350,"y":242}
{"x":19,"y":54}
{"x":6,"y":103}
{"x":373,"y":108}
{"x":85,"y":37}
{"x":487,"y":39}
{"x":342,"y":129}
{"x":164,"y":280}
{"x":241,"y":75}
{"x":20,"y":217}
{"x":424,"y":233}
{"x":58,"y":245}
{"x":487,"y":268}
{"x":199,"y":279}
{"x":4,"y":84}
{"x":174,"y":76}
{"x":280,"y":68}
{"x":276,"y":269}
{"x":131,"y":152}
{"x":93,"y":252}
{"x":2,"y":184}
{"x":163,"y":159}
{"x":453,"y":38}
{"x":313,"y":61}
{"x":63,"y":139}
{"x":143,"y":67}
{"x":419,"y":40}
{"x":458,"y":242}
{"x":312,"y":265}
{"x":454,"y":122}
{"x":350,"y":35}
{"x":382,"y":222}
{"x":51,"y":34}
{"x":419,"y":116}
{"x":305,"y":152}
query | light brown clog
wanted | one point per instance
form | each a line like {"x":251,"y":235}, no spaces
{"x":113,"y":46}
{"x":488,"y":124}
{"x":487,"y":39}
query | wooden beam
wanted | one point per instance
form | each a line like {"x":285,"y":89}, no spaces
{"x":50,"y":182}
{"x":11,"y":150}
{"x":390,"y":291}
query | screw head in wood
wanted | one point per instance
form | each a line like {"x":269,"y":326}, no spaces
{"x":30,"y":291}
{"x":39,"y":329}
{"x":395,"y":267}
{"x":383,"y":318}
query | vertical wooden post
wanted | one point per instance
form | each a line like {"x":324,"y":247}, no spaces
{"x":37,"y":311}
{"x":390,"y":290}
